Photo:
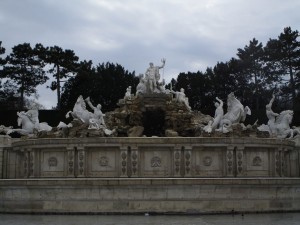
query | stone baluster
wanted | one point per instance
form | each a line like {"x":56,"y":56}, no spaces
{"x":188,"y":161}
{"x":134,"y":161}
{"x":71,"y":161}
{"x":240,"y":161}
{"x":31,"y":164}
{"x":230,"y":161}
{"x":25,"y":164}
{"x":81,"y":161}
{"x":177,"y":161}
{"x":123,"y":161}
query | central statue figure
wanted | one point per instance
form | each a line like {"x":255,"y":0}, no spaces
{"x":152,"y":77}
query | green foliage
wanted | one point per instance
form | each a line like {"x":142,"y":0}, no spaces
{"x":24,"y":70}
{"x":258,"y":75}
{"x":2,"y":51}
{"x":63,"y":65}
{"x":285,"y":52}
{"x":105,"y":84}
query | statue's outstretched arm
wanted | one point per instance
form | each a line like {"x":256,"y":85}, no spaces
{"x":89,"y":103}
{"x":220,"y":101}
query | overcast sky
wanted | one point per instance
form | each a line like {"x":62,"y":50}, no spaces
{"x":191,"y":34}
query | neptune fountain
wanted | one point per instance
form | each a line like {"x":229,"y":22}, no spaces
{"x":153,"y":153}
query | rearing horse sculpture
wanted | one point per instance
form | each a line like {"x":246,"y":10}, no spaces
{"x":80,"y":112}
{"x":236,"y":112}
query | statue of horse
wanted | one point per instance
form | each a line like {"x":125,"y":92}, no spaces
{"x":236,"y":112}
{"x":80,"y":112}
{"x":28,"y":127}
{"x":282,"y":124}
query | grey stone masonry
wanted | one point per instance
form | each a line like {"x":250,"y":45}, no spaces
{"x":150,"y":157}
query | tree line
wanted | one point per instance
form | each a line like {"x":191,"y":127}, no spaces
{"x":254,"y":74}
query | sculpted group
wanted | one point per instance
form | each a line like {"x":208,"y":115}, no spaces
{"x":150,"y":84}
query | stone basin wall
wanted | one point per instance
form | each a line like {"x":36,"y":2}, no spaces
{"x":149,"y":175}
{"x":177,"y":157}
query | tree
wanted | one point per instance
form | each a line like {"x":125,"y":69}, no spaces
{"x":196,"y":87}
{"x":2,"y":51}
{"x":24,"y":70}
{"x":284,"y":53}
{"x":258,"y":75}
{"x":105,"y":84}
{"x":64,"y":65}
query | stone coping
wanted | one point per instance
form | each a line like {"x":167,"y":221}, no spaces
{"x":154,"y":140}
{"x":148,"y":181}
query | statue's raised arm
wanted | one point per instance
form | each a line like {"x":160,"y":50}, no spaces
{"x":163,"y":63}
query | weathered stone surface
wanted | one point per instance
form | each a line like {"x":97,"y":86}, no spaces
{"x":136,"y":131}
{"x":262,"y":134}
{"x":171,"y":133}
{"x":151,"y":157}
{"x":153,"y":195}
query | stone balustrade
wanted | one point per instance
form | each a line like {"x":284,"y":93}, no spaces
{"x":176,"y":157}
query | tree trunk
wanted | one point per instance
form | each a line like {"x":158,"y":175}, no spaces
{"x":58,"y":88}
{"x":292,"y":82}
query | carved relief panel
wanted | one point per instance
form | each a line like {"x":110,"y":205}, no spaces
{"x":155,"y":163}
{"x":102,"y":162}
{"x":52,"y":163}
{"x":257,"y":162}
{"x":208,"y":162}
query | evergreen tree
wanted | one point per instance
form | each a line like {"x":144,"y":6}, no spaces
{"x":284,"y":53}
{"x":2,"y":51}
{"x":64,"y":65}
{"x":105,"y":85}
{"x":24,"y":70}
{"x":253,"y":67}
{"x":195,"y":86}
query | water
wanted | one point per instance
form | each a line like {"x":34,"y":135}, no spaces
{"x":247,"y":219}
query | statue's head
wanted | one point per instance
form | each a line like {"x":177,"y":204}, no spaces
{"x":268,"y":107}
{"x":80,"y":99}
{"x":151,"y":64}
{"x":290,"y":115}
{"x":34,"y":105}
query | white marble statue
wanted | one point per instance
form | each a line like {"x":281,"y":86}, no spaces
{"x":80,"y":112}
{"x":216,"y":122}
{"x":236,"y":113}
{"x":29,"y":123}
{"x":219,"y":113}
{"x":128,"y":94}
{"x":282,"y":124}
{"x":97,"y":121}
{"x":152,"y":77}
{"x":5,"y":130}
{"x":278,"y":124}
{"x":33,"y":115}
{"x":271,"y":116}
{"x":181,"y":98}
{"x":281,"y":127}
{"x":141,"y":87}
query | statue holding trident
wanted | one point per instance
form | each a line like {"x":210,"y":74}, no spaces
{"x":152,"y":77}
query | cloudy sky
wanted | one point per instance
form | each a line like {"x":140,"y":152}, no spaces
{"x":191,"y":34}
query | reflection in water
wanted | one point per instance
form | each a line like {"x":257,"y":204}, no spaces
{"x":247,"y":219}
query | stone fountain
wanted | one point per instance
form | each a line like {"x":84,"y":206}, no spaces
{"x":153,"y":153}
